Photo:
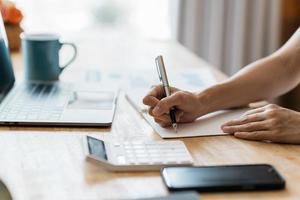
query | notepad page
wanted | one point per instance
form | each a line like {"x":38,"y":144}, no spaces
{"x":208,"y":125}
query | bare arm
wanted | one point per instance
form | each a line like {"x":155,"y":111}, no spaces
{"x":266,"y":78}
{"x":263,"y":79}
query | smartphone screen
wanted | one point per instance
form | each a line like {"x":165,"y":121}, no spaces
{"x":223,"y":178}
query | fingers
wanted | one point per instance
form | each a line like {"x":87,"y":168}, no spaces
{"x":262,"y":109}
{"x":166,"y":117}
{"x":248,"y":127}
{"x":162,"y":123}
{"x":157,"y":91}
{"x":256,"y":124}
{"x":155,"y":94}
{"x":255,"y":135}
{"x":159,"y":106}
{"x":165,"y":120}
{"x":254,"y":111}
{"x":166,"y":103}
{"x":152,"y":98}
{"x":150,"y":101}
{"x":245,"y":119}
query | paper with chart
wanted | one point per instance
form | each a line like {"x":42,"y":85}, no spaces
{"x":208,"y":125}
{"x":137,"y":82}
{"x":191,"y":79}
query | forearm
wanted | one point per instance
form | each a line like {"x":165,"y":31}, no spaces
{"x":263,"y":79}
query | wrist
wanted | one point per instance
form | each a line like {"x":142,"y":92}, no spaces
{"x":206,"y":101}
{"x":213,"y":99}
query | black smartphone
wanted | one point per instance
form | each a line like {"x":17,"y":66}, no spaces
{"x":223,"y":178}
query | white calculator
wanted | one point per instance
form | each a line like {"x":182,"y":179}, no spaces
{"x":137,"y":155}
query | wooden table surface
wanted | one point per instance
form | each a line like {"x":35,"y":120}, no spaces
{"x":48,"y":163}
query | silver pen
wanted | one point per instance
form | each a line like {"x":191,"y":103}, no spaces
{"x":162,"y":74}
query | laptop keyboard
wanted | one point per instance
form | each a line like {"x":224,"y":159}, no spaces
{"x":35,"y":102}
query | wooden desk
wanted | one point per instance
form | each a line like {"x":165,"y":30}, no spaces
{"x":48,"y":163}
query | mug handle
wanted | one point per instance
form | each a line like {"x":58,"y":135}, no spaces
{"x":73,"y":57}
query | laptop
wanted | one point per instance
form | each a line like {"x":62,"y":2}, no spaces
{"x":51,"y":103}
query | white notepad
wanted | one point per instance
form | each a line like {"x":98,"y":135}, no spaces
{"x":208,"y":125}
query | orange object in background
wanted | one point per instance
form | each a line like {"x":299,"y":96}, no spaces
{"x":10,"y":13}
{"x":12,"y":17}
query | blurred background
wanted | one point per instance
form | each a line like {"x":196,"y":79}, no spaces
{"x":229,"y":34}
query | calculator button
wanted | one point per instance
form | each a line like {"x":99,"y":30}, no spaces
{"x":129,"y":152}
{"x":158,"y":162}
{"x":131,"y":161}
{"x":183,"y":157}
{"x":154,"y":151}
{"x":171,"y":162}
{"x":126,"y":143}
{"x":143,"y":161}
{"x":138,"y":146}
{"x":121,"y":160}
{"x":137,"y":142}
{"x":142,"y":155}
{"x":140,"y":151}
{"x":117,"y":144}
{"x":184,"y":161}
{"x":127,"y":146}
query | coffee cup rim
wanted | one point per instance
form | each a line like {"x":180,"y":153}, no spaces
{"x":39,"y":36}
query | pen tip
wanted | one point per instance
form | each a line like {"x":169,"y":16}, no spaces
{"x":175,"y":127}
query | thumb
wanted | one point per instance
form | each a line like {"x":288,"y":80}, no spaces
{"x":164,"y":105}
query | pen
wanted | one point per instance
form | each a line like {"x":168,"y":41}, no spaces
{"x":162,"y":74}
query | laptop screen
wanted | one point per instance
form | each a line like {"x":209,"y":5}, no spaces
{"x":7,"y":78}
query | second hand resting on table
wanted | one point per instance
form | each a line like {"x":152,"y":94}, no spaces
{"x":253,"y":83}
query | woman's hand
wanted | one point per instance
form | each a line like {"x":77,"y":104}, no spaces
{"x":269,"y":123}
{"x":187,"y":105}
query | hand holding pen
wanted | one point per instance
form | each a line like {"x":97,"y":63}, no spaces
{"x":162,"y":74}
{"x":189,"y":106}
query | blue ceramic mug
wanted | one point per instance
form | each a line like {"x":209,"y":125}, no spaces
{"x":41,"y":56}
